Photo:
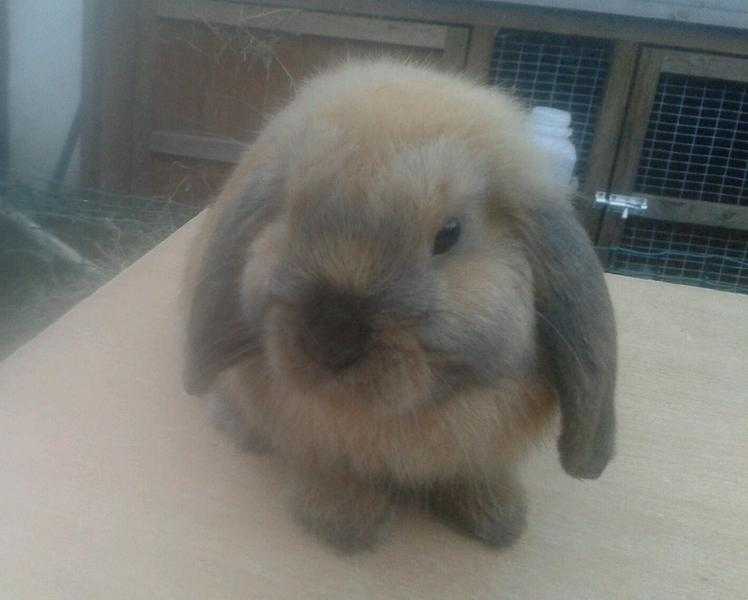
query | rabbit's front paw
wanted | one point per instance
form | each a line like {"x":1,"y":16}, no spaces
{"x":349,"y":515}
{"x":495,"y":513}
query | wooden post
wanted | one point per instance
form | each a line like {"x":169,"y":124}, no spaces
{"x":4,"y":89}
{"x":482,"y":41}
{"x":608,"y":132}
{"x":110,"y":39}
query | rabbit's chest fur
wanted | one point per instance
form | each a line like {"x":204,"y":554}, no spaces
{"x":468,"y":435}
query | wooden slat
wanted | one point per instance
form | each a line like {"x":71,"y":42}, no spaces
{"x":706,"y":65}
{"x":671,"y":210}
{"x":608,"y":129}
{"x":91,"y":92}
{"x":196,"y":146}
{"x":696,"y":212}
{"x":111,"y":31}
{"x":637,"y":118}
{"x":723,"y":13}
{"x":4,"y":90}
{"x":300,"y":22}
{"x":650,"y":31}
{"x":632,"y":138}
{"x":455,"y":49}
{"x":482,"y":41}
{"x":143,"y":115}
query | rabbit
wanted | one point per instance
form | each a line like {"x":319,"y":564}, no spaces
{"x":394,"y":296}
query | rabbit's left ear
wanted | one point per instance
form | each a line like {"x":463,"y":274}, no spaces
{"x":576,"y":336}
{"x":219,"y":330}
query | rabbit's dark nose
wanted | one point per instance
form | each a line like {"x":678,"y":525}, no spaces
{"x":335,"y":330}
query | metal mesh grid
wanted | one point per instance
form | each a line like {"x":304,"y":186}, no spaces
{"x":696,"y":145}
{"x":563,"y":72}
{"x":705,"y":256}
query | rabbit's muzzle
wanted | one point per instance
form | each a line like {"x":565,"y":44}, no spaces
{"x":336,"y":330}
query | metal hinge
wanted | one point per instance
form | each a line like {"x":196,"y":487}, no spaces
{"x":625,"y":203}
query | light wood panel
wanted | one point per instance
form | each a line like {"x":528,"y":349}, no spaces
{"x":116,"y":485}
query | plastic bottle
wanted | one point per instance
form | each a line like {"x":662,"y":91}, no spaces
{"x":552,"y":130}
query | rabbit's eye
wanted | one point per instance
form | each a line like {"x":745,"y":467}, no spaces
{"x":447,"y":236}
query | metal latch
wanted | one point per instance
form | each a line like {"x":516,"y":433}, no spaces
{"x":626,"y":203}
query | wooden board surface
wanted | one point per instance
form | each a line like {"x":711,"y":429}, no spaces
{"x":116,"y":485}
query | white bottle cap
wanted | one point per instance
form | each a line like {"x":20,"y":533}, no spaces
{"x":552,"y":117}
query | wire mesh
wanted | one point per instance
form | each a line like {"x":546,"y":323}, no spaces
{"x":693,"y":254}
{"x":564,"y":72}
{"x":696,"y":146}
{"x":110,"y":230}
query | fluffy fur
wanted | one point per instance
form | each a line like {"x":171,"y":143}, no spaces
{"x":341,"y":343}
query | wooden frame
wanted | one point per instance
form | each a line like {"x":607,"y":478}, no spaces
{"x":111,"y":95}
{"x":455,"y":48}
{"x":652,"y":63}
{"x":450,"y":39}
{"x":480,"y":52}
{"x":4,"y":90}
{"x":203,"y":147}
{"x":705,"y":65}
{"x":511,"y":16}
{"x":303,"y":22}
{"x":146,"y":18}
{"x":722,"y":13}
{"x":696,"y":212}
{"x":632,"y":135}
{"x":119,"y":138}
{"x":608,"y":131}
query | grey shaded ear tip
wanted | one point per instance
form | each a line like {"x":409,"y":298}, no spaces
{"x":196,"y":383}
{"x":585,"y":465}
{"x":192,"y":386}
{"x":584,"y":470}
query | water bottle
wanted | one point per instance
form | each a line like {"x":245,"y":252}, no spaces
{"x":552,"y":130}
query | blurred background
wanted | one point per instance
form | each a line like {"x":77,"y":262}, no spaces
{"x":60,"y":237}
{"x":44,"y":87}
{"x":119,"y":120}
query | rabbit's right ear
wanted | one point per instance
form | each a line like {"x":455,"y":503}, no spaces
{"x":219,"y":332}
{"x":577,"y":334}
